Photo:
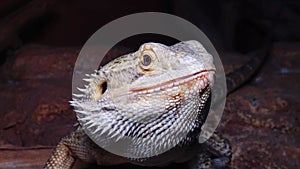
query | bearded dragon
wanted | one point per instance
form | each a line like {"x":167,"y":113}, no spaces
{"x":153,"y":103}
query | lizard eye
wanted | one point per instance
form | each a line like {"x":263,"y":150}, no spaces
{"x":146,"y":61}
{"x":147,"y":58}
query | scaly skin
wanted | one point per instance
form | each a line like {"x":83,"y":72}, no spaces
{"x":150,"y":89}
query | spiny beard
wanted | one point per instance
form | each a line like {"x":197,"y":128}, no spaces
{"x":110,"y":127}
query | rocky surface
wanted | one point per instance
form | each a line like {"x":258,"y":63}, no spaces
{"x":261,"y":119}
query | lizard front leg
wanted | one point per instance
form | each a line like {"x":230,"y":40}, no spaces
{"x":69,"y":149}
{"x":219,"y":147}
{"x":61,"y":158}
{"x":201,"y":161}
{"x":214,"y":153}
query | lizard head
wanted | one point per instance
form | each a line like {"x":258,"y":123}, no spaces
{"x":150,"y":99}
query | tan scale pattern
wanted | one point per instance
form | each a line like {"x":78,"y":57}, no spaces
{"x":60,"y":159}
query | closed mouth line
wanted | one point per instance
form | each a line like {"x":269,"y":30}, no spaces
{"x":170,"y":81}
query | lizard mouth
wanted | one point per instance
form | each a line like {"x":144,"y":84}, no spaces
{"x":200,"y":75}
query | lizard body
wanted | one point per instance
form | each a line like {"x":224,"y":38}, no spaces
{"x":151,"y":96}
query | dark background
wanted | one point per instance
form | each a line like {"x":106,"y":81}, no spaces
{"x":230,"y":24}
{"x":40,"y":40}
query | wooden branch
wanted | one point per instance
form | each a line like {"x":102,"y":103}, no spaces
{"x":22,"y":157}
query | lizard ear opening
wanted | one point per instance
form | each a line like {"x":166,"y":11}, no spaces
{"x":102,"y":87}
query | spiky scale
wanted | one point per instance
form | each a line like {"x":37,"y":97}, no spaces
{"x":88,"y":79}
{"x":81,"y":89}
{"x":78,"y":95}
